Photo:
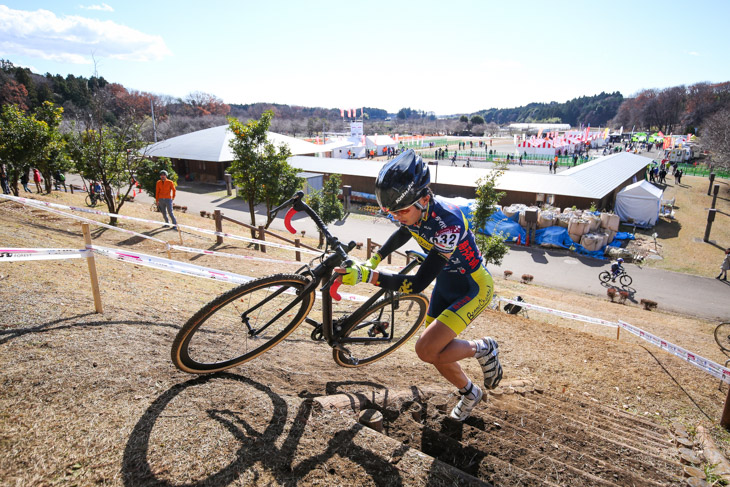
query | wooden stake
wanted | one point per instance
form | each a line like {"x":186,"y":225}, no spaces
{"x":92,"y":270}
{"x":179,"y":234}
{"x":618,"y":333}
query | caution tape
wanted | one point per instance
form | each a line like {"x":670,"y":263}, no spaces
{"x":45,"y":205}
{"x":234,"y":256}
{"x":187,"y":269}
{"x":709,"y":366}
{"x":717,"y":370}
{"x":12,"y":255}
{"x":564,"y":314}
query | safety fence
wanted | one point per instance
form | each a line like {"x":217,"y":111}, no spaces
{"x":508,"y":157}
{"x":717,"y":370}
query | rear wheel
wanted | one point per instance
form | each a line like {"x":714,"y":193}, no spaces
{"x":604,"y":276}
{"x":722,"y":336}
{"x":242,"y":324}
{"x":392,"y":320}
{"x":625,"y":280}
{"x":90,"y":201}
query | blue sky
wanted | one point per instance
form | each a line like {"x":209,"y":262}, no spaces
{"x":445,"y":57}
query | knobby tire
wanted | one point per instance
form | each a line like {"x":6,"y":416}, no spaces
{"x":604,"y":276}
{"x":216,"y":338}
{"x":722,"y":336}
{"x":409,"y":315}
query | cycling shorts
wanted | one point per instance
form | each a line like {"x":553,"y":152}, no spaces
{"x":457,"y":298}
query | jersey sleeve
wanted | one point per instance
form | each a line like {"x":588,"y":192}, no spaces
{"x":427,"y":272}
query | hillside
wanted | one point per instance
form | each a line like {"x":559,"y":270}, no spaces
{"x":93,"y":399}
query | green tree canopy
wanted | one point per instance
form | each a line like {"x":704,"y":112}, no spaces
{"x":260,"y":169}
{"x":492,"y":247}
{"x":148,"y":173}
{"x":30,"y":140}
{"x":326,"y":202}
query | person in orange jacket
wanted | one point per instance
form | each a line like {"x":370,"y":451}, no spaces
{"x":164,"y":196}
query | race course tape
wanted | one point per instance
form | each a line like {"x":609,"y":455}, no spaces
{"x":41,"y":204}
{"x":717,"y":370}
{"x":185,"y":268}
{"x":564,"y":314}
{"x":709,"y":366}
{"x":12,"y":255}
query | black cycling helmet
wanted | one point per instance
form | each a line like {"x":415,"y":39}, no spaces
{"x":402,"y":181}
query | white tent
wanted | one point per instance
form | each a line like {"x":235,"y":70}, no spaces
{"x":639,"y":202}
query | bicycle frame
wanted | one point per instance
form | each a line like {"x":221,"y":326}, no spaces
{"x":324,"y":272}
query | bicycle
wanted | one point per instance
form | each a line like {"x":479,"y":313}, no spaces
{"x":247,"y":321}
{"x":722,"y":336}
{"x":92,"y":199}
{"x":623,"y":278}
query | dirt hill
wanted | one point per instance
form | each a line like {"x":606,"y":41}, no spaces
{"x":94,"y":399}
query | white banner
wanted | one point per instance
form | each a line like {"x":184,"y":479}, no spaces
{"x":11,"y":255}
{"x":709,"y":366}
{"x":41,"y":204}
{"x":564,"y":314}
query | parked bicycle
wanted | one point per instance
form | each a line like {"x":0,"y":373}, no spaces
{"x":245,"y":322}
{"x":93,"y":199}
{"x":722,"y":336}
{"x":623,"y":278}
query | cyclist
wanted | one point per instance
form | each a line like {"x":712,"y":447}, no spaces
{"x":463,"y":287}
{"x":95,"y":191}
{"x":617,"y":268}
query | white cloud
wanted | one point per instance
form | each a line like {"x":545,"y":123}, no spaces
{"x":103,"y":7}
{"x":694,"y":53}
{"x":41,"y":34}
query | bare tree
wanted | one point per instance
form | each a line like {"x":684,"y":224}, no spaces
{"x":716,"y":138}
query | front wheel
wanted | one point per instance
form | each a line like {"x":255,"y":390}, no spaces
{"x":241,"y":324}
{"x":625,"y":280}
{"x":377,"y":331}
{"x":90,"y":201}
{"x":604,"y":276}
{"x":722,"y":336}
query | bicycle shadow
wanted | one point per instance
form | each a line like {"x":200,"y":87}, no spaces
{"x":257,"y":449}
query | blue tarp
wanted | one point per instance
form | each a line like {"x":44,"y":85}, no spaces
{"x":501,"y":223}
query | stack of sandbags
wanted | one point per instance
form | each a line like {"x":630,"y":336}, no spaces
{"x":604,"y":238}
{"x":591,"y":241}
{"x":595,"y":221}
{"x":546,"y":219}
{"x":512,"y":210}
{"x":609,"y":224}
{"x":577,"y":227}
{"x":563,"y":220}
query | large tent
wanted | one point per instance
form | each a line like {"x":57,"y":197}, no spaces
{"x":639,"y":202}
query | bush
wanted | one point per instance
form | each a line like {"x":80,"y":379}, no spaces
{"x":507,"y":273}
{"x":649,"y":304}
{"x":149,"y":173}
{"x":611,"y":293}
{"x":527,"y":278}
{"x":623,"y":296}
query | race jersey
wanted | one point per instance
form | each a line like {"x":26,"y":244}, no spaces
{"x":446,"y":228}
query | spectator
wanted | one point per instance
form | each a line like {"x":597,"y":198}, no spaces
{"x":24,"y":181}
{"x":37,"y":179}
{"x":4,"y":179}
{"x":724,"y":266}
{"x":60,"y":180}
{"x":164,"y":196}
{"x":550,"y":167}
{"x":678,"y":176}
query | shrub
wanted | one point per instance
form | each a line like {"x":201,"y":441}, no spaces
{"x":623,"y":296}
{"x":507,"y":273}
{"x":648,"y":304}
{"x":611,"y":293}
{"x":527,"y":278}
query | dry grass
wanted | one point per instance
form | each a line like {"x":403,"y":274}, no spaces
{"x":680,"y":240}
{"x":91,"y":399}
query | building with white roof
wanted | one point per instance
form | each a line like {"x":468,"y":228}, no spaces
{"x":596,"y":182}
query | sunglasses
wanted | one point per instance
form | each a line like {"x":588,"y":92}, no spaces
{"x":399,"y":212}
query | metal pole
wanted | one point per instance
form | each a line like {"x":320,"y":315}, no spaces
{"x":154,"y":126}
{"x":715,"y":190}
{"x":712,"y":180}
{"x":710,"y":219}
